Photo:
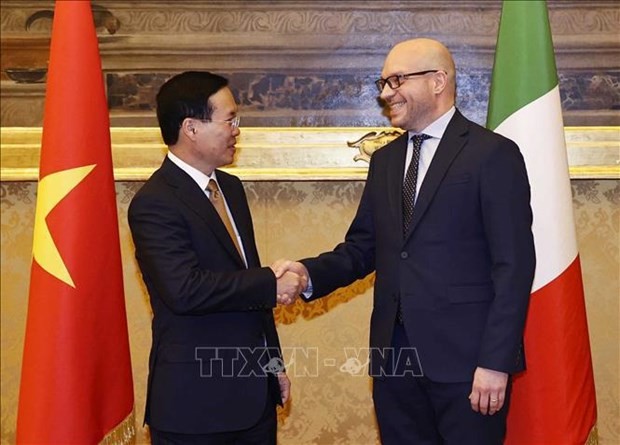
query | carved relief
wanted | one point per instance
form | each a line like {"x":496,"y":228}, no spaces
{"x":391,"y":21}
{"x":585,"y":20}
{"x":25,"y":58}
{"x":102,"y":17}
{"x":371,"y":142}
{"x":382,"y":17}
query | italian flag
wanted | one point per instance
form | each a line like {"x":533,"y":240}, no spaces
{"x":553,"y":401}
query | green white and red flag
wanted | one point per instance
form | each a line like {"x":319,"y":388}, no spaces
{"x":553,"y":401}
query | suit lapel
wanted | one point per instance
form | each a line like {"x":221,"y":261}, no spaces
{"x":236,"y":203}
{"x":449,"y":147}
{"x":189,"y":193}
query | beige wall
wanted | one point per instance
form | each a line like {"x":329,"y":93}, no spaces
{"x":296,"y":219}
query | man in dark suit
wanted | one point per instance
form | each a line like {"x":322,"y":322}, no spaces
{"x":214,"y":337}
{"x":445,"y":221}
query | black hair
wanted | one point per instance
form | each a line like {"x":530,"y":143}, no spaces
{"x":185,"y":95}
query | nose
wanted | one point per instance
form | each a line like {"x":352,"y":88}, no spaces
{"x":386,"y":92}
{"x":236,"y":131}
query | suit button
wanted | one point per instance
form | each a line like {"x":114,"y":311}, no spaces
{"x":404,"y":255}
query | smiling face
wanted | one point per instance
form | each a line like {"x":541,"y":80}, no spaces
{"x":419,"y":100}
{"x":211,"y":144}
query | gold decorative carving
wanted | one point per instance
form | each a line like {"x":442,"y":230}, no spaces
{"x":371,"y":142}
{"x":292,"y":154}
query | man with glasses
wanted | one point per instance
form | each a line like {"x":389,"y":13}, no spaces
{"x":214,"y":337}
{"x":445,"y":221}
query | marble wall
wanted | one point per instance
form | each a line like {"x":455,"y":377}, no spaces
{"x":307,"y":63}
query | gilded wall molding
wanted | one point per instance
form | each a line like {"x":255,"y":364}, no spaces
{"x":290,"y":154}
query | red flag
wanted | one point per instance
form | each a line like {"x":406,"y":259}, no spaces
{"x":76,"y":384}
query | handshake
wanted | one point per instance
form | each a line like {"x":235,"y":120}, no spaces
{"x":292,"y":279}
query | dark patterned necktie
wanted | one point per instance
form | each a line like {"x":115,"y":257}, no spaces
{"x":411,"y":179}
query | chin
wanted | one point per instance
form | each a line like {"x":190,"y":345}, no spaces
{"x":396,"y":123}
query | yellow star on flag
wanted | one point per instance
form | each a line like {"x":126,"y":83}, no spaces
{"x":52,"y":189}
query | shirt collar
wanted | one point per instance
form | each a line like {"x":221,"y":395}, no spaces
{"x":199,"y":177}
{"x":437,"y":128}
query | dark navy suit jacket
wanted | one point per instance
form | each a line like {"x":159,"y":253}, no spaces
{"x":464,"y":271}
{"x":204,"y":300}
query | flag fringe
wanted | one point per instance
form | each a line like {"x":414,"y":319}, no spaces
{"x":122,"y":434}
{"x":593,"y":436}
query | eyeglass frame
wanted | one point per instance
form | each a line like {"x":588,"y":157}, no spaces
{"x":399,"y":78}
{"x":233,"y":121}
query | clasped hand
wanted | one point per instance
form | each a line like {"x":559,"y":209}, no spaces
{"x":292,"y":280}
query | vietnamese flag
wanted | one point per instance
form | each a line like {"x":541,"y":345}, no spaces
{"x":76,"y":384}
{"x":553,"y":401}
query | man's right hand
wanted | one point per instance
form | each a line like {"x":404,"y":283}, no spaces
{"x":292,"y":280}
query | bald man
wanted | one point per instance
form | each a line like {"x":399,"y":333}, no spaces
{"x":445,"y":221}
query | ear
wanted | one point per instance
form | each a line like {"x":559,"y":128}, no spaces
{"x":188,"y":128}
{"x":440,"y":79}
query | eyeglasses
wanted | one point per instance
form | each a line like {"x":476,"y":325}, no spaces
{"x":397,"y":79}
{"x":233,"y":121}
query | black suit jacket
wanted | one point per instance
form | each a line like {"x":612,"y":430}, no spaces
{"x":206,"y":305}
{"x":464,"y":271}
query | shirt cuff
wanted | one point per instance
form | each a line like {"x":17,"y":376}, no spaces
{"x":308,"y":292}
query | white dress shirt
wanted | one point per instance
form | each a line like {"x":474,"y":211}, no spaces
{"x":429,"y":146}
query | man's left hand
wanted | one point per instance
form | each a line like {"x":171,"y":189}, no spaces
{"x":488,"y":392}
{"x":285,"y":387}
